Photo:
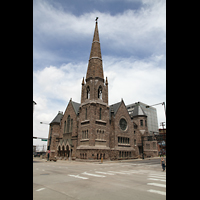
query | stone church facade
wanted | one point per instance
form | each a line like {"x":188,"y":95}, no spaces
{"x":93,"y":129}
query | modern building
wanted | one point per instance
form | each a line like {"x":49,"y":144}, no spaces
{"x":93,"y":129}
{"x":139,"y":108}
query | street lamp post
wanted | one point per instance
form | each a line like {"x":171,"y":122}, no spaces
{"x":163,"y":103}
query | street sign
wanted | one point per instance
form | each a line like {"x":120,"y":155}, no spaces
{"x":43,"y":139}
{"x":49,"y":151}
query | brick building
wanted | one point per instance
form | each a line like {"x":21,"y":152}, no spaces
{"x":93,"y":129}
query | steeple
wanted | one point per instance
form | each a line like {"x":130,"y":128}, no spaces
{"x":95,"y":88}
{"x":95,"y":67}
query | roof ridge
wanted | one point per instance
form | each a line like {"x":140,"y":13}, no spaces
{"x":57,"y":118}
{"x":75,"y":106}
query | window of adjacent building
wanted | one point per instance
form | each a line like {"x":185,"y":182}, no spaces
{"x":145,"y":122}
{"x":141,"y":122}
{"x":86,"y":113}
{"x":134,"y":141}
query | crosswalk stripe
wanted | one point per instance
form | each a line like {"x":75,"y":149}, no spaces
{"x":40,"y":189}
{"x":157,"y":191}
{"x":161,"y":177}
{"x":117,"y":172}
{"x":104,"y":173}
{"x":77,"y":176}
{"x":157,"y":184}
{"x":133,"y":171}
{"x":155,"y":179}
{"x":96,"y":175}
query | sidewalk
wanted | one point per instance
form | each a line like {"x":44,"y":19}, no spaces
{"x":97,"y":161}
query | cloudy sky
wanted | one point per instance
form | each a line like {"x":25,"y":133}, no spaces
{"x":133,"y":46}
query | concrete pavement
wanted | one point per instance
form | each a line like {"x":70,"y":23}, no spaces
{"x":91,"y":180}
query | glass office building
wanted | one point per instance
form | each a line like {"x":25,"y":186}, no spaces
{"x":152,"y":120}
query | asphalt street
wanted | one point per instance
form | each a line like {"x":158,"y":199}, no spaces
{"x":73,"y":180}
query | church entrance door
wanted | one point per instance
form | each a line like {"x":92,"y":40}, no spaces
{"x":67,"y":151}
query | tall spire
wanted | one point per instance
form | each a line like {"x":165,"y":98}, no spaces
{"x":95,"y":67}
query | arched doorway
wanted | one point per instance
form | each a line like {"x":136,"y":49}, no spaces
{"x":67,"y":151}
{"x":63,"y":151}
{"x":59,"y":151}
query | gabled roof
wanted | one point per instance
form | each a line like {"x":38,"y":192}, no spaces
{"x":137,"y":111}
{"x":114,"y":107}
{"x":58,"y":118}
{"x":76,"y":106}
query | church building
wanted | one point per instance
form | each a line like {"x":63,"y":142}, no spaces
{"x":92,"y":128}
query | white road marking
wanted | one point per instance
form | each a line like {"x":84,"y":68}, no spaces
{"x":157,"y":191}
{"x":93,"y":174}
{"x":77,"y":176}
{"x":117,"y":172}
{"x":162,"y":177}
{"x":155,"y":179}
{"x":157,"y":184}
{"x":132,"y":171}
{"x":40,"y":189}
{"x":104,"y":173}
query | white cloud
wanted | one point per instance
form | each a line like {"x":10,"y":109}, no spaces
{"x":129,"y":79}
{"x":135,"y":80}
{"x":132,"y":30}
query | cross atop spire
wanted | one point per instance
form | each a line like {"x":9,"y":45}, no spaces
{"x":96,"y":19}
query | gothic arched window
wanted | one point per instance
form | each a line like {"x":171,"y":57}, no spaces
{"x":65,"y":127}
{"x":68,"y":123}
{"x":100,"y":113}
{"x":71,"y":124}
{"x":88,"y":92}
{"x":100,"y":92}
